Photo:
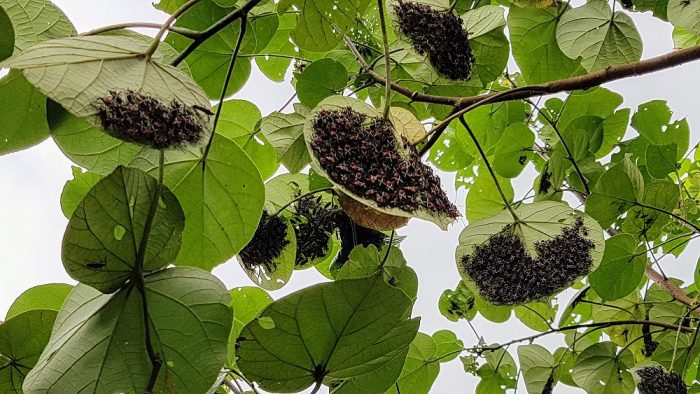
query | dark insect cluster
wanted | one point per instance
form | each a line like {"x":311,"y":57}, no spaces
{"x":134,"y":117}
{"x":507,"y":275}
{"x":654,"y":380}
{"x":267,"y":244}
{"x":314,"y":223}
{"x":367,"y":160}
{"x":440,"y":35}
{"x":351,"y":235}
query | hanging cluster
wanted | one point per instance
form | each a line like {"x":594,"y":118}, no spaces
{"x":314,"y":223}
{"x":507,"y":275}
{"x":135,"y":117}
{"x":368,"y":161}
{"x":267,"y":244}
{"x":654,"y":380}
{"x":440,"y":35}
{"x":352,"y":234}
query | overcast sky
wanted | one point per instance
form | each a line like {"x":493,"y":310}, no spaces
{"x":31,"y":181}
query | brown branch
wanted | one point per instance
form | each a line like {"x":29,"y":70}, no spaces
{"x":586,"y":81}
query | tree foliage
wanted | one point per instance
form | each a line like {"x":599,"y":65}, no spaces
{"x":357,"y":156}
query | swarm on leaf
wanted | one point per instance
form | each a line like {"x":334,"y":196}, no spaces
{"x":654,"y":380}
{"x":135,"y":117}
{"x":267,"y":244}
{"x":507,"y":275}
{"x":351,"y":235}
{"x":314,"y":223}
{"x":367,"y":160}
{"x":440,"y":35}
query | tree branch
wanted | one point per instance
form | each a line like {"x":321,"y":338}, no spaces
{"x":147,"y":25}
{"x":215,"y":28}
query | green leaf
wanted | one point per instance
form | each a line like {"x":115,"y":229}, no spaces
{"x":535,"y":47}
{"x":22,"y":339}
{"x":483,"y":20}
{"x":322,"y":23}
{"x":675,"y":350}
{"x":653,"y":122}
{"x":75,"y":189}
{"x":617,"y":190}
{"x":247,"y":303}
{"x":376,"y":382}
{"x":683,"y":38}
{"x":537,"y":366}
{"x":458,"y":303}
{"x":49,"y":296}
{"x":336,"y":330}
{"x":658,"y":7}
{"x":367,"y":261}
{"x":538,"y":222}
{"x":282,"y":189}
{"x":622,"y":268}
{"x":238,"y":122}
{"x":87,"y":145}
{"x":661,"y":159}
{"x":513,"y":151}
{"x":222,"y":196}
{"x":98,"y":342}
{"x":286,"y":134}
{"x":484,"y":200}
{"x":284,"y":265}
{"x":76,"y":72}
{"x":320,"y":79}
{"x":104,"y":234}
{"x":536,"y":315}
{"x":491,"y":52}
{"x":275,"y":67}
{"x":35,"y":21}
{"x":600,"y":370}
{"x":419,"y":371}
{"x":598,"y":102}
{"x":598,"y":36}
{"x":22,"y":114}
{"x":685,"y":14}
{"x":7,"y":45}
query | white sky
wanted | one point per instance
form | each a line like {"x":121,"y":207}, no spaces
{"x":31,"y":181}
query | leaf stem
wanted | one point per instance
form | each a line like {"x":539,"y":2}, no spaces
{"x":300,"y":197}
{"x":166,"y":26}
{"x":147,"y":25}
{"x":505,"y":199}
{"x":138,"y":277}
{"x":387,"y":59}
{"x":207,"y":33}
{"x":227,"y":80}
{"x":317,"y":387}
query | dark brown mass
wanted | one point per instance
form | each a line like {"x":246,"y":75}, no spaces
{"x":366,"y":160}
{"x":351,"y":235}
{"x":654,"y":380}
{"x":507,"y":275}
{"x":267,"y":244}
{"x":135,"y":117}
{"x":314,"y":223}
{"x":440,"y":35}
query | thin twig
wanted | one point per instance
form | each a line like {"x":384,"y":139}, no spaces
{"x":145,"y":25}
{"x":166,"y":25}
{"x":227,"y":80}
{"x":317,"y":387}
{"x":231,"y":387}
{"x":387,"y":60}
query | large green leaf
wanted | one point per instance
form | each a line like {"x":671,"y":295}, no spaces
{"x":368,"y":261}
{"x":513,"y":152}
{"x":599,"y":37}
{"x":7,"y":45}
{"x":333,"y":331}
{"x":617,"y":190}
{"x":685,"y":14}
{"x":49,"y":296}
{"x":75,"y":189}
{"x":535,"y":47}
{"x":22,"y":339}
{"x":35,"y":21}
{"x":600,"y":370}
{"x":653,"y":121}
{"x":622,"y":268}
{"x":537,"y":365}
{"x":98,"y":343}
{"x":683,"y":38}
{"x":322,"y":23}
{"x":275,"y":67}
{"x":222,"y":196}
{"x":247,"y":303}
{"x":104,"y":235}
{"x":321,"y":79}
{"x":484,"y":200}
{"x":22,"y":114}
{"x":488,"y":42}
{"x":239,"y":122}
{"x":76,"y":72}
{"x":286,"y":134}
